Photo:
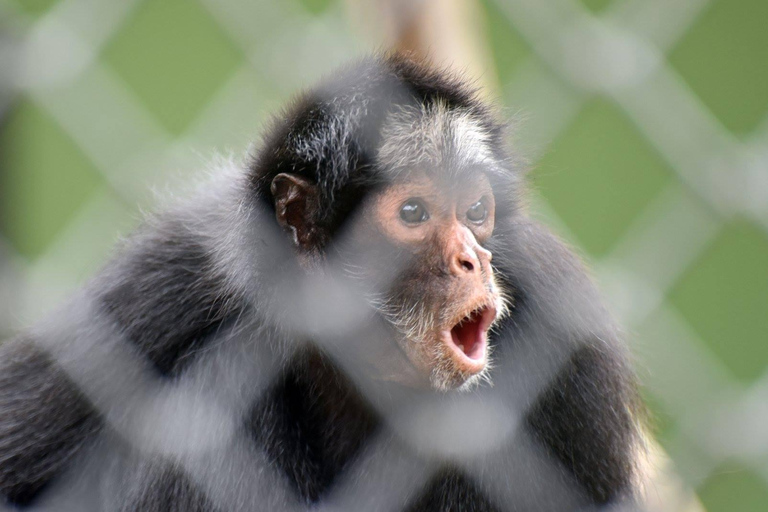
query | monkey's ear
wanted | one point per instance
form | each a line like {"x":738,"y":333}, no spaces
{"x":296,"y":208}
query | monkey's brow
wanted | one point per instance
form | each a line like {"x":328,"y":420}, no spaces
{"x":431,"y":191}
{"x":468,"y":181}
{"x":473,"y":171}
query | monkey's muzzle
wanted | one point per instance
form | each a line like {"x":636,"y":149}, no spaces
{"x":468,"y":339}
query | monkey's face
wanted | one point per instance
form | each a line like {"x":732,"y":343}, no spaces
{"x":418,"y":246}
{"x":442,"y":297}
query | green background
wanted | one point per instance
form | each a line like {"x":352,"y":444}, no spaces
{"x":204,"y":79}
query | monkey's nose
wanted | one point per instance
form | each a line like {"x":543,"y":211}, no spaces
{"x":484,"y":254}
{"x":465,"y":262}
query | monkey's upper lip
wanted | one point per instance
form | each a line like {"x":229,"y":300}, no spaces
{"x":468,"y":338}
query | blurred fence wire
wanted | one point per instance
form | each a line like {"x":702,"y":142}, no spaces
{"x":62,"y":62}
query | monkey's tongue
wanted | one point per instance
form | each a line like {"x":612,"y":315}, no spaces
{"x":469,"y":336}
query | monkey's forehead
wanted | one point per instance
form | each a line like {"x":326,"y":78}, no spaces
{"x":432,"y":186}
{"x":433,"y":137}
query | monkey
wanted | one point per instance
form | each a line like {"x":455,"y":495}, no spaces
{"x":361,"y":315}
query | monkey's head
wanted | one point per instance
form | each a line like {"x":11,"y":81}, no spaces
{"x":400,"y":177}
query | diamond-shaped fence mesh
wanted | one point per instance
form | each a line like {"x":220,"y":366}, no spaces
{"x":645,"y":122}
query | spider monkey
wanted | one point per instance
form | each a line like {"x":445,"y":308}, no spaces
{"x":361,"y":315}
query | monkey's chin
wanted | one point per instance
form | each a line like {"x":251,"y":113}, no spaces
{"x":467,"y":341}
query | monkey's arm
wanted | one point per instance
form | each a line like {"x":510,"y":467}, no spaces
{"x":584,"y":412}
{"x":165,"y":296}
{"x":157,"y":302}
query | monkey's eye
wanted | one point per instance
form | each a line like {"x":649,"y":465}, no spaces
{"x":413,"y":211}
{"x":477,"y":213}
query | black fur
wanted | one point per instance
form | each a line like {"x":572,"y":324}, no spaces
{"x":587,"y":413}
{"x":312,"y":423}
{"x":46,"y":421}
{"x":578,"y":420}
{"x":170,"y":293}
{"x":451,"y":490}
{"x":166,"y":297}
{"x":164,"y":487}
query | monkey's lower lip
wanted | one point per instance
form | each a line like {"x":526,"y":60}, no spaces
{"x":468,"y":338}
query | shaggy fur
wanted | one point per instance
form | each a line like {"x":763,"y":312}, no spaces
{"x":194,"y":372}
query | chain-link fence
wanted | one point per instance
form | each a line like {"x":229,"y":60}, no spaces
{"x":644,"y":121}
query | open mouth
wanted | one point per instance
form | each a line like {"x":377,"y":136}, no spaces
{"x":469,"y":338}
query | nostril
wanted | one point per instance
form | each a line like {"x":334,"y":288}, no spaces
{"x":466,"y":265}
